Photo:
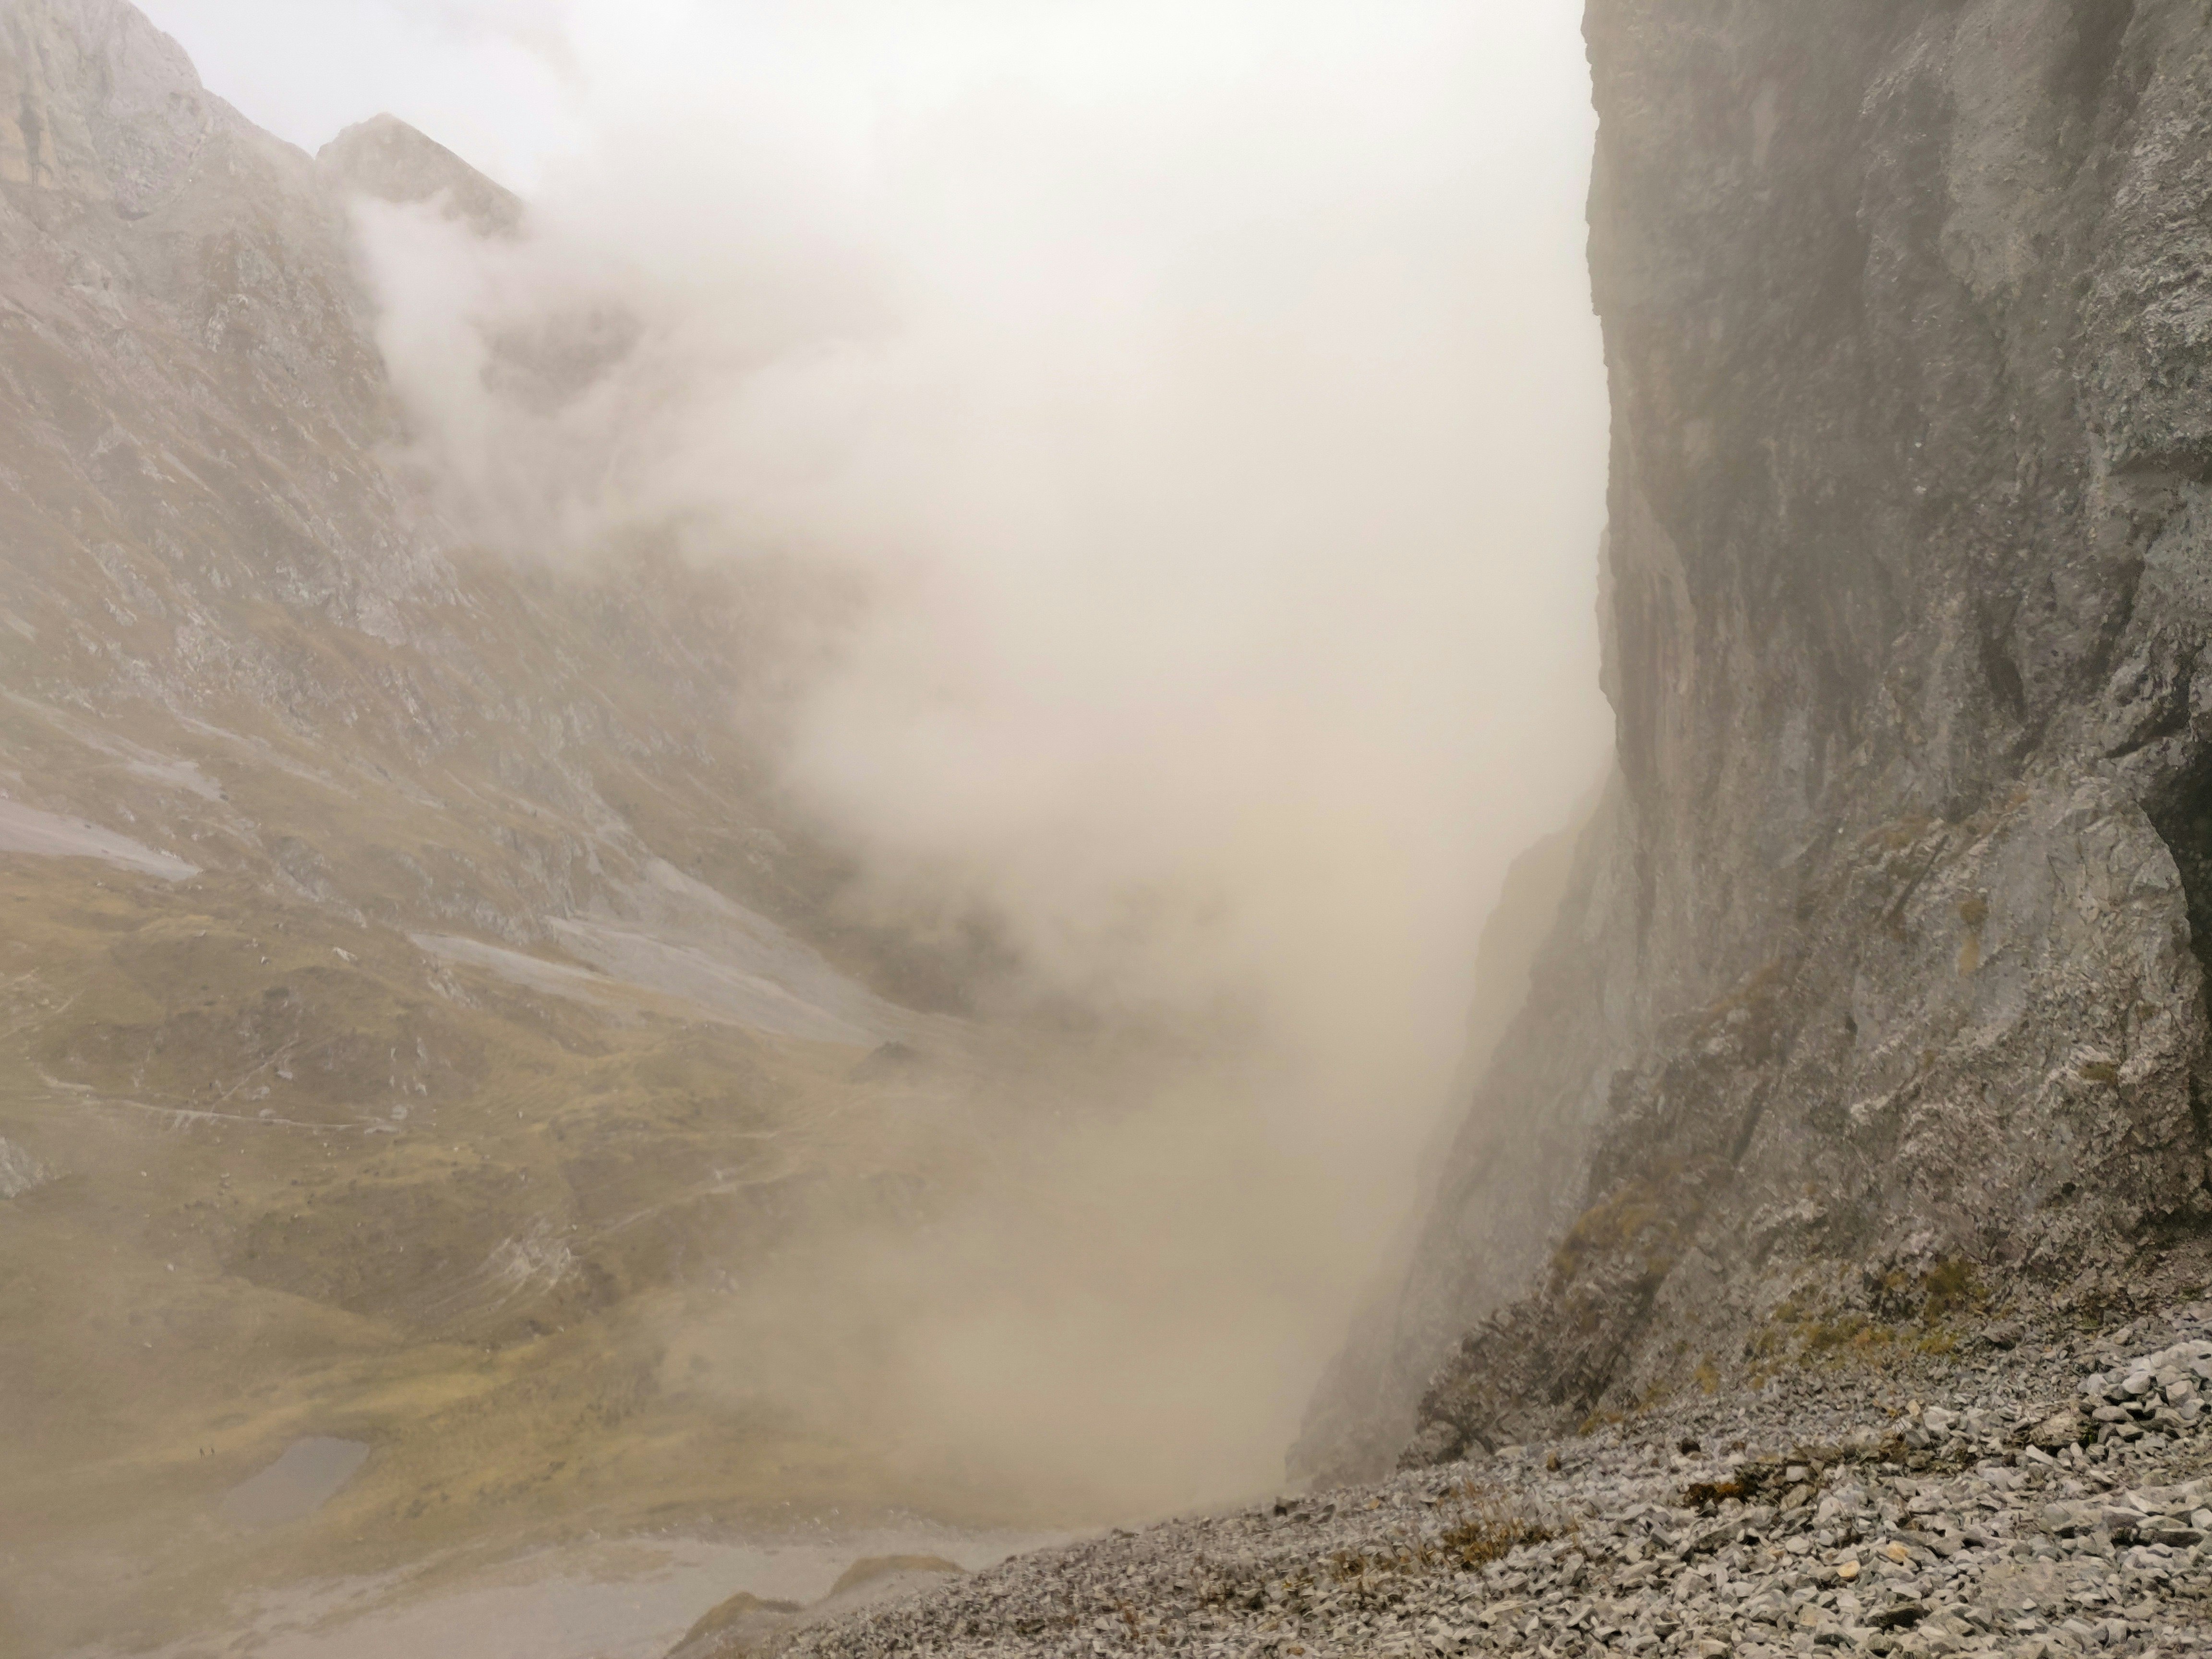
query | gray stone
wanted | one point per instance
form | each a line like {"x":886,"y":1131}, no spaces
{"x":1241,"y":1582}
{"x":2060,"y":1429}
{"x":20,"y":1172}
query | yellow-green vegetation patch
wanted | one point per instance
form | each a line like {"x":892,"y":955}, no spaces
{"x":1474,"y":1525}
{"x":1816,"y":1326}
{"x":311,"y":1182}
{"x":1646,"y":1218}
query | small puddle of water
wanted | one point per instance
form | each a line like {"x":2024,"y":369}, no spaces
{"x":296,"y":1485}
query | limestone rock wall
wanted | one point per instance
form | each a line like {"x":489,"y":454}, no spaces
{"x":1878,"y":996}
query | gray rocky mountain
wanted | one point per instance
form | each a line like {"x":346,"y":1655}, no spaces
{"x":414,"y":1003}
{"x":387,"y":161}
{"x":413,"y":996}
{"x":1878,"y":994}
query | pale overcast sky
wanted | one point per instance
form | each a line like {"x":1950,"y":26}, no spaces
{"x":493,"y":79}
{"x":515,"y":85}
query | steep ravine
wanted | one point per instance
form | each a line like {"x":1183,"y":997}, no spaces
{"x":1865,"y":1063}
{"x":1812,"y":1269}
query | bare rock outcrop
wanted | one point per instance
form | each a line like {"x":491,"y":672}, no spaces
{"x":386,"y":159}
{"x":1878,"y":989}
{"x":96,"y":102}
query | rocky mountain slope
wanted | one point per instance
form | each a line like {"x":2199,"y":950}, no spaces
{"x":419,"y":1018}
{"x":1878,"y":992}
{"x":2036,"y":1498}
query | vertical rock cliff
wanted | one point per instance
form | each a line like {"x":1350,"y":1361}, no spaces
{"x":1876,"y":995}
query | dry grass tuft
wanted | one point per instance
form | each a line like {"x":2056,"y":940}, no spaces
{"x":1478,"y":1526}
{"x":1483,"y":1529}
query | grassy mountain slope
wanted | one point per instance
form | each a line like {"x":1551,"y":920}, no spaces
{"x":469,"y":1015}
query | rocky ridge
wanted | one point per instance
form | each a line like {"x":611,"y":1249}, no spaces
{"x":2040,"y":1492}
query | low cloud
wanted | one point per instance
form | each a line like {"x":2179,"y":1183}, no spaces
{"x":1207,"y":404}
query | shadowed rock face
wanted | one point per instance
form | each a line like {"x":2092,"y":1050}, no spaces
{"x":1873,"y":998}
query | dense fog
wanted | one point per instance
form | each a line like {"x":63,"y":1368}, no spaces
{"x":1203,"y":410}
{"x":788,"y":847}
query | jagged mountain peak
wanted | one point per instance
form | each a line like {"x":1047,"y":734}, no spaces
{"x":389,"y":160}
{"x":96,"y":102}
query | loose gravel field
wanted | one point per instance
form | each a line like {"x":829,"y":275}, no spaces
{"x":2040,"y":1492}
